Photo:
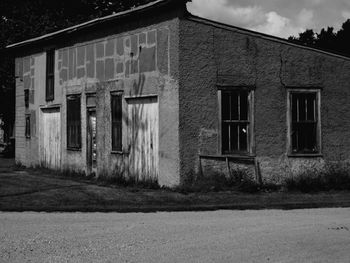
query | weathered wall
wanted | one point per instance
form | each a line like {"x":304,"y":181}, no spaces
{"x":137,"y":58}
{"x":30,"y":75}
{"x":212,"y":54}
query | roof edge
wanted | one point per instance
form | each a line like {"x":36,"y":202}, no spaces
{"x":93,"y":22}
{"x":263,"y":35}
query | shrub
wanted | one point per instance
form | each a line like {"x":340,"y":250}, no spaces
{"x":334,"y":176}
{"x":215,"y":181}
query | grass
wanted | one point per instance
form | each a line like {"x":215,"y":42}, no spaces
{"x":334,"y":176}
{"x":40,"y":190}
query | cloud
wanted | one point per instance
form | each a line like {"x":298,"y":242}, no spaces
{"x":277,"y":25}
{"x":252,"y":17}
{"x":345,"y":14}
{"x":219,"y":10}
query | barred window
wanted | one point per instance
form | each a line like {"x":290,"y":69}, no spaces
{"x":73,"y":122}
{"x":50,"y":75}
{"x":117,"y":120}
{"x":235,"y":121}
{"x":304,"y":122}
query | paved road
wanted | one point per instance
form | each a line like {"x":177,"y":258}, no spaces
{"x":320,"y":235}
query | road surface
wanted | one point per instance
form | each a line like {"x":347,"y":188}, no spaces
{"x":318,"y":235}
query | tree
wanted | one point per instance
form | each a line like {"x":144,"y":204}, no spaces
{"x":24,"y":19}
{"x":327,"y":39}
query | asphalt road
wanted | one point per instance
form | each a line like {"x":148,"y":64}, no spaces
{"x":319,"y":235}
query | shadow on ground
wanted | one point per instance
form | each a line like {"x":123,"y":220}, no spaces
{"x":27,"y":190}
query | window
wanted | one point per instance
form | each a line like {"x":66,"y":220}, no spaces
{"x":50,"y":75}
{"x":235,"y":121}
{"x":73,"y":122}
{"x":117,"y":115}
{"x":304,"y":126}
{"x":26,"y":98}
{"x":27,"y":128}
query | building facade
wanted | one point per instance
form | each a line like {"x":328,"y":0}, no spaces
{"x":155,"y":93}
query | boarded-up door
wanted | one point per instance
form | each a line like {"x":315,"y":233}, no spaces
{"x":50,"y":139}
{"x":143,"y":138}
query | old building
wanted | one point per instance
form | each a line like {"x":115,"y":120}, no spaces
{"x":156,"y":93}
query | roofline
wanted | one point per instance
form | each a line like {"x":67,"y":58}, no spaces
{"x":262,"y":35}
{"x":90,"y":23}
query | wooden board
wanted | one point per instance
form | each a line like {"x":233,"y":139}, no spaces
{"x":50,"y":139}
{"x":143,"y":138}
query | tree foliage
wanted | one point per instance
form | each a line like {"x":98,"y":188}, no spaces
{"x":24,"y":19}
{"x":327,"y":39}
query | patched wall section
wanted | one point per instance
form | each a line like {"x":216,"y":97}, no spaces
{"x":30,"y":85}
{"x":211,"y":55}
{"x":138,"y":63}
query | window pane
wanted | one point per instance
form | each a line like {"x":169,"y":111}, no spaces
{"x":310,"y":137}
{"x":234,"y":131}
{"x":50,"y":77}
{"x":294,"y":107}
{"x":311,"y":106}
{"x":234,"y":105}
{"x":225,"y":138}
{"x":243,"y":137}
{"x":225,"y":106}
{"x":304,"y":137}
{"x":244,"y":105}
{"x":117,"y":115}
{"x":302,"y":107}
{"x":73,"y":122}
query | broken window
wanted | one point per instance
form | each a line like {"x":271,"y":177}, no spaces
{"x":235,"y":121}
{"x":27,"y":128}
{"x":50,"y":75}
{"x":73,"y":122}
{"x":117,"y":115}
{"x":304,"y":126}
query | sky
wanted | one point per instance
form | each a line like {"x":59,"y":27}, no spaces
{"x":282,"y":18}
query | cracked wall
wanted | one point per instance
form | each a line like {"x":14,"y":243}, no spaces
{"x":211,"y":55}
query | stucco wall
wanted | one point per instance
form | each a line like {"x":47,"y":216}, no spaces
{"x":212,"y":54}
{"x":137,"y":59}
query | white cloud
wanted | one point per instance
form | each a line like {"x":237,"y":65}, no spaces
{"x":345,"y":14}
{"x":219,"y":10}
{"x":278,"y":26}
{"x":252,"y":17}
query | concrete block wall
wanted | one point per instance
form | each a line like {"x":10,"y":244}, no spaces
{"x":211,"y":54}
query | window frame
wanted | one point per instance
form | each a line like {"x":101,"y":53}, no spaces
{"x":114,"y":94}
{"x":78,"y":144}
{"x":317,"y":92}
{"x":250,"y":137}
{"x":50,"y":75}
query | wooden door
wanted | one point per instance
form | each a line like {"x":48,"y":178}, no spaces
{"x":50,"y":139}
{"x":143,"y":138}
